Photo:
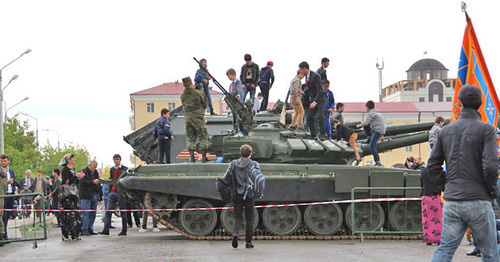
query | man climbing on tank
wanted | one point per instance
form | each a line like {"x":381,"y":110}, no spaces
{"x":194,"y":103}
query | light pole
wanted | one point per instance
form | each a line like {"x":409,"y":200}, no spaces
{"x":6,"y":110}
{"x":36,"y":134}
{"x":2,"y":145}
{"x":58,"y":145}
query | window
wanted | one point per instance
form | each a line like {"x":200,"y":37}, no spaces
{"x":448,"y":99}
{"x":171,"y":106}
{"x":408,"y":148}
{"x":151,"y":107}
{"x":421,"y":99}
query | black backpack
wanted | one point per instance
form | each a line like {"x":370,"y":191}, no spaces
{"x":225,"y":188}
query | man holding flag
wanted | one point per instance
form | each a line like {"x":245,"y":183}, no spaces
{"x":469,"y":147}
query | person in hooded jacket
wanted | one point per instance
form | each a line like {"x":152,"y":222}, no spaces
{"x":239,"y":170}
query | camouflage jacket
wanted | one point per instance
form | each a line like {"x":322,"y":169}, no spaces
{"x":3,"y":181}
{"x":194,"y":102}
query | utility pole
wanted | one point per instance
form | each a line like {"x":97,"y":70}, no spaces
{"x":380,"y":68}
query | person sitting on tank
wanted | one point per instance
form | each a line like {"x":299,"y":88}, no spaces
{"x":414,"y":162}
{"x":343,"y":132}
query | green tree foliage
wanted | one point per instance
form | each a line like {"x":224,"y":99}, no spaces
{"x":21,"y":148}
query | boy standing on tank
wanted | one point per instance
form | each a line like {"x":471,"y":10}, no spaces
{"x":240,"y":169}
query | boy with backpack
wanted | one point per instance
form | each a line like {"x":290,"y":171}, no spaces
{"x":247,"y":182}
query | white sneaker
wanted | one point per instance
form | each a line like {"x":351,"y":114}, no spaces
{"x":156,"y":230}
{"x":142,"y":230}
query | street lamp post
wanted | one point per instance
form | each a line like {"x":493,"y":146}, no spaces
{"x":58,"y":145}
{"x":36,"y":134}
{"x":6,"y":110}
{"x":2,"y":144}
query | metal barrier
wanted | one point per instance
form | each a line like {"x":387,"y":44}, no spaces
{"x":27,"y":230}
{"x":370,"y":189}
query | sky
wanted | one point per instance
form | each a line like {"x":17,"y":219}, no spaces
{"x":89,"y":56}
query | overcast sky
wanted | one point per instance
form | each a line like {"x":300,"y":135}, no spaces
{"x":88,"y":56}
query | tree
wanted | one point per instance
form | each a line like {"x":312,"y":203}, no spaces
{"x":20,"y":146}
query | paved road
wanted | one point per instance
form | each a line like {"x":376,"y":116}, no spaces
{"x":168,"y":246}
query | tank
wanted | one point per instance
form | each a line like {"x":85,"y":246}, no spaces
{"x":297,"y":170}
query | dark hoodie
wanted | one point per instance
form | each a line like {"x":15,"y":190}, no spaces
{"x":241,"y":169}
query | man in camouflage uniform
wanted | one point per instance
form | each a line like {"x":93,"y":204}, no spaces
{"x":194,"y":103}
{"x":3,"y":189}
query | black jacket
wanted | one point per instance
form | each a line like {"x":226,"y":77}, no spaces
{"x":315,"y":89}
{"x":322,"y":73}
{"x":86,"y":186}
{"x":470,"y":150}
{"x":255,"y":74}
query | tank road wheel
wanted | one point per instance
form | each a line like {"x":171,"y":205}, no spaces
{"x":160,"y":201}
{"x":198,"y":222}
{"x":281,"y":221}
{"x":406,"y":216}
{"x":323,"y":220}
{"x":227,"y":217}
{"x":367,"y":216}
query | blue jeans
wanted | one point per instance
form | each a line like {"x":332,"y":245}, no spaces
{"x":88,"y":218}
{"x":113,"y":198}
{"x":206,"y":90}
{"x":249,"y":89}
{"x":374,"y":137}
{"x":328,"y":125}
{"x":457,"y":216}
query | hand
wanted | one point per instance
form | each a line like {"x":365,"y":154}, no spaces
{"x":209,"y":78}
{"x":10,"y":181}
{"x":300,"y":92}
{"x":156,"y":140}
{"x":382,"y":138}
{"x":96,"y":181}
{"x":80,"y":175}
{"x":243,"y":86}
{"x":270,"y":86}
{"x":172,"y":137}
{"x":358,"y":126}
{"x":330,"y":110}
{"x":252,"y":85}
{"x":238,"y":97}
{"x":205,"y":81}
{"x":313,"y":105}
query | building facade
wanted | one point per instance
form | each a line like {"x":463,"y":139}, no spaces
{"x":427,"y":81}
{"x":147,"y":104}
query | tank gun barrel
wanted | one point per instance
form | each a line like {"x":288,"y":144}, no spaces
{"x":397,"y":142}
{"x":392,"y":130}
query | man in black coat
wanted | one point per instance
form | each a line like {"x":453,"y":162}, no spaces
{"x":88,"y":189}
{"x":317,"y":97}
{"x":469,"y":148}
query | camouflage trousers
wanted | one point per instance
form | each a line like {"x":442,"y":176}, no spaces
{"x":2,"y":231}
{"x":196,"y":129}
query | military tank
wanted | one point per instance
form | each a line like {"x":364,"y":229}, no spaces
{"x":297,"y":169}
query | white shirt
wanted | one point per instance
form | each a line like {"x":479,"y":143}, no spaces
{"x":9,"y":186}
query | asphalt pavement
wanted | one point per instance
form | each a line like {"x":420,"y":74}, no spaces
{"x":167,"y":245}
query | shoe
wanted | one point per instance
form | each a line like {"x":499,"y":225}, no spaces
{"x":122,"y":233}
{"x":65,"y":239}
{"x":357,"y":161}
{"x":112,"y":227}
{"x":104,"y":233}
{"x":213,"y":114}
{"x":474,"y":252}
{"x":92,"y":233}
{"x":156,"y":230}
{"x":204,"y":158}
{"x":234,"y":243}
{"x":75,"y":238}
{"x":378,"y":164}
{"x":85,"y":234}
{"x":129,"y":226}
{"x":249,"y":245}
{"x":142,"y":230}
{"x":191,"y":156}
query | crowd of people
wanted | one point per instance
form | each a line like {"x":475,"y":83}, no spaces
{"x":67,"y":189}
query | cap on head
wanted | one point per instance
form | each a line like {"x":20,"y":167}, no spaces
{"x":270,"y":63}
{"x":186,"y":81}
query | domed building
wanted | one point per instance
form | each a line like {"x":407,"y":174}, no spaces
{"x":427,"y":81}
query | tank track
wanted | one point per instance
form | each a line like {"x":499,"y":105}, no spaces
{"x":301,"y":234}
